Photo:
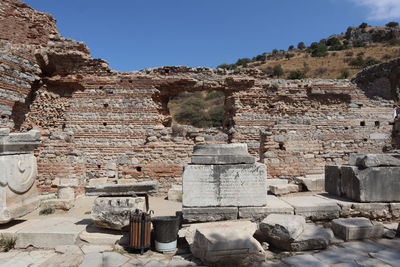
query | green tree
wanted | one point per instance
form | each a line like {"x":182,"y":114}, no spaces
{"x":363,"y":25}
{"x":243,"y":61}
{"x":392,"y":24}
{"x":358,"y":43}
{"x":277,"y":71}
{"x":301,"y":45}
{"x":294,"y":75}
{"x":320,"y":51}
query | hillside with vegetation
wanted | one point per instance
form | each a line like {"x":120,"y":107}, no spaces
{"x":200,"y":109}
{"x":338,"y":56}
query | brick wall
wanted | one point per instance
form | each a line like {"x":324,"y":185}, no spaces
{"x":99,"y":123}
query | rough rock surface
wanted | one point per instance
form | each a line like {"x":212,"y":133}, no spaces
{"x":225,"y":242}
{"x":374,"y":184}
{"x":377,"y":160}
{"x":114,"y":212}
{"x":291,"y":233}
{"x":282,"y":228}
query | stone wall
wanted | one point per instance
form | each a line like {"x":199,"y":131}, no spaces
{"x":97,"y":123}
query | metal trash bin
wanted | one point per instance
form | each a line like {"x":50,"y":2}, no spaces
{"x":139,"y":231}
{"x":165,"y":232}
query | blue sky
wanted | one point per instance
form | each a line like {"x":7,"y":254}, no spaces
{"x":138,"y":34}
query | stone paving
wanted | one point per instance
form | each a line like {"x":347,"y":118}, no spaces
{"x":94,"y":247}
{"x":381,"y":252}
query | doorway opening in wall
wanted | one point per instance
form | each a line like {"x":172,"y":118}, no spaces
{"x":201,"y":109}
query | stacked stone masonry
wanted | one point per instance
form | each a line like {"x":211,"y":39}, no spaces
{"x":99,"y":123}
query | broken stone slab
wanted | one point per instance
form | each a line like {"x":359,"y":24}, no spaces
{"x":175,"y":193}
{"x":313,"y":237}
{"x":376,"y":184}
{"x":19,"y":143}
{"x":114,"y":212}
{"x":283,"y":189}
{"x":224,"y":185}
{"x":49,"y":233}
{"x":356,"y":228}
{"x":313,"y":207}
{"x":313,"y":182}
{"x":227,"y":242}
{"x":282,"y":227}
{"x":209,"y":214}
{"x":58,"y":204}
{"x":271,"y":181}
{"x":100,"y":236}
{"x":374,"y":160}
{"x":145,"y":187}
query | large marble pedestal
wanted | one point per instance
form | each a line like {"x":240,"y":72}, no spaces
{"x":18,"y":172}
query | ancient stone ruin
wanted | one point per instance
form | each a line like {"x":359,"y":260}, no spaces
{"x":220,"y":180}
{"x":367,"y":178}
{"x":70,"y":125}
{"x":18,"y":174}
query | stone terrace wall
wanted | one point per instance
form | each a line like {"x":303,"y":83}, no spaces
{"x":117,"y":127}
{"x":99,"y":124}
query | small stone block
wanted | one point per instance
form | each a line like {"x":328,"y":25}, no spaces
{"x":282,"y":189}
{"x":356,"y":228}
{"x":313,"y":208}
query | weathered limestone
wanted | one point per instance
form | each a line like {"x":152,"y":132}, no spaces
{"x":290,"y":232}
{"x":356,"y":228}
{"x":375,"y":178}
{"x":18,"y":193}
{"x":145,"y":187}
{"x":209,"y":214}
{"x":226,"y":183}
{"x":221,"y":154}
{"x":313,"y":182}
{"x":225,"y":242}
{"x":313,"y":208}
{"x":114,"y":212}
{"x":283,"y":228}
{"x":49,"y":233}
{"x":175,"y":193}
{"x":374,"y":160}
{"x":283,"y":189}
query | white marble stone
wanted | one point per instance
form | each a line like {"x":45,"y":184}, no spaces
{"x":224,"y":185}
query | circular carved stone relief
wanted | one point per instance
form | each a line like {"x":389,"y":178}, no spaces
{"x":22,"y":172}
